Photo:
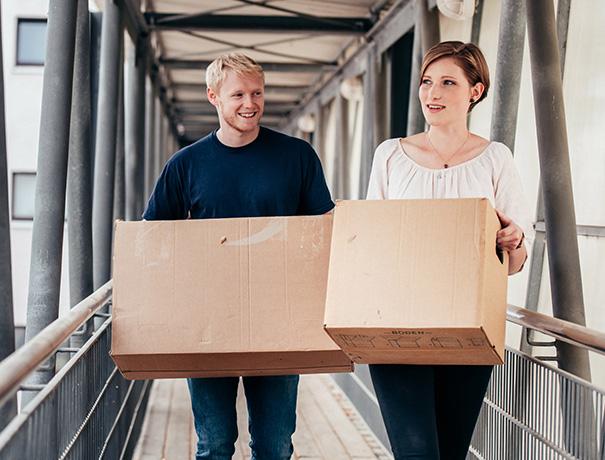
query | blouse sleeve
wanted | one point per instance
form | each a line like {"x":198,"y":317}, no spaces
{"x":509,"y":195}
{"x":379,"y":180}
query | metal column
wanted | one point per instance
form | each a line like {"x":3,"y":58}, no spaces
{"x":7,"y":323}
{"x":149,"y":137}
{"x":157,"y":131}
{"x":507,"y":82}
{"x":477,"y":18}
{"x":368,"y":129}
{"x":564,"y":262}
{"x":426,"y":34}
{"x":135,"y":128}
{"x":342,"y":147}
{"x":102,"y":209}
{"x":318,"y":134}
{"x":79,"y":176}
{"x":119,"y":191}
{"x":51,"y":179}
{"x":539,"y":247}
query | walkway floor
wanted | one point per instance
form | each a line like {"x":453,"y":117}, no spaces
{"x":328,"y":426}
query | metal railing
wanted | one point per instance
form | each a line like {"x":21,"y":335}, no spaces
{"x":87,"y":410}
{"x":535,"y":411}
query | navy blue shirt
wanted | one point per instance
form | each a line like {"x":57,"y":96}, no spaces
{"x":275,"y":175}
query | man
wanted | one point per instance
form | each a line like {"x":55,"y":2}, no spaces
{"x":241,"y":170}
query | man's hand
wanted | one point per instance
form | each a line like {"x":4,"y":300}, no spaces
{"x":510,"y":236}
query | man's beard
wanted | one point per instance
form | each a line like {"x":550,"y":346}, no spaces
{"x":233,"y":121}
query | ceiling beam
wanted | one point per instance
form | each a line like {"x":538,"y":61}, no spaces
{"x":294,"y":67}
{"x":269,"y":89}
{"x":257,"y":23}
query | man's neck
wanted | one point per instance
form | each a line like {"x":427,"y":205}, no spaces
{"x":233,"y":138}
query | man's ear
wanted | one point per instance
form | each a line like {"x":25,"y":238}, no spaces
{"x":211,"y":94}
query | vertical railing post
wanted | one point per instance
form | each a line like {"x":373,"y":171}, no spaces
{"x":7,"y":322}
{"x":49,"y":208}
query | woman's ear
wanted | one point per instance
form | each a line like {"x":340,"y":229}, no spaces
{"x":477,"y":92}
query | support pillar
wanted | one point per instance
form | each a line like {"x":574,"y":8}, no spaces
{"x":342,"y":147}
{"x":539,"y":247}
{"x":106,"y":133}
{"x":135,"y":128}
{"x":157,"y":142}
{"x":149,"y":138}
{"x":509,"y":63}
{"x":426,"y":34}
{"x":368,"y":139}
{"x":79,"y":176}
{"x":559,"y":211}
{"x":51,"y":178}
{"x":119,"y":197}
{"x":7,"y":322}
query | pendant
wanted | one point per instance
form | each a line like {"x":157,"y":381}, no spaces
{"x":445,"y":166}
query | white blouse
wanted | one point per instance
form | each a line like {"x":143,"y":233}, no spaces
{"x":491,"y":174}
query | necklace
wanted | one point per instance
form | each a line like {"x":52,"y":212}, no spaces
{"x":446,"y":161}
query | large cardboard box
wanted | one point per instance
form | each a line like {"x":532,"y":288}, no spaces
{"x":222,"y":297}
{"x":417,"y":282}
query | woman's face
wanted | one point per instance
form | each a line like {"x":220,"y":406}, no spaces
{"x":445,"y":93}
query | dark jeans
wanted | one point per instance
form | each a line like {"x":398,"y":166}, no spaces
{"x":430,"y":412}
{"x":271,"y":409}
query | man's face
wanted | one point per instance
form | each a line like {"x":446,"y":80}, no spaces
{"x":240,"y":102}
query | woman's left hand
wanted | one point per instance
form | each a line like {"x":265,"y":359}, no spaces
{"x":510,"y":236}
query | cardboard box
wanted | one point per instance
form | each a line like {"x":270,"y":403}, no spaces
{"x":417,"y":282}
{"x":222,"y":297}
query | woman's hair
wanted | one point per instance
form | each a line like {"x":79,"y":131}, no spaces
{"x":236,"y":62}
{"x":469,"y":58}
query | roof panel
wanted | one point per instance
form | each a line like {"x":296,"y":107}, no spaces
{"x":334,"y":8}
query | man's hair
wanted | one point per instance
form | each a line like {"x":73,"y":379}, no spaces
{"x":236,"y":62}
{"x":468,"y":57}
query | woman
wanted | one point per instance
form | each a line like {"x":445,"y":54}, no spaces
{"x":430,"y":411}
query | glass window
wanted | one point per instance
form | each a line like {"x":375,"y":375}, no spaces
{"x":31,"y":41}
{"x":24,"y":186}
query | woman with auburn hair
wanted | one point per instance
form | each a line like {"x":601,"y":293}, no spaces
{"x":430,"y":411}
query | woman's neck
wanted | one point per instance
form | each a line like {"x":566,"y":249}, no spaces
{"x":446,"y":138}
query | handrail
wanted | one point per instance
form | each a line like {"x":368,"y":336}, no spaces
{"x":16,"y":367}
{"x":572,"y":333}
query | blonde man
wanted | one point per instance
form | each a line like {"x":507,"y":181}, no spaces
{"x":241,"y":170}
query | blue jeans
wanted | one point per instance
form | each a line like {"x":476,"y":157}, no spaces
{"x":430,"y":412}
{"x":272,"y":416}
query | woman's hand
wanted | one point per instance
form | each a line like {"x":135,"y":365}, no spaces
{"x":509,"y":238}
